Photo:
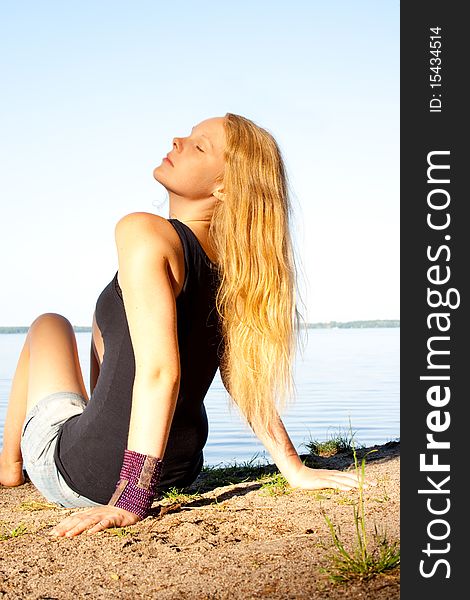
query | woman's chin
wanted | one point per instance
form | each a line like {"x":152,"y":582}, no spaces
{"x":156,"y":174}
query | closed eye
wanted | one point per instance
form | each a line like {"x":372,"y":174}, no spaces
{"x":200,"y":149}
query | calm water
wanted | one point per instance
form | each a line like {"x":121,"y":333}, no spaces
{"x":344,"y":375}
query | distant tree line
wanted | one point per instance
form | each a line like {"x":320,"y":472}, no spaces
{"x":21,"y":329}
{"x":328,"y":325}
{"x":355,"y":324}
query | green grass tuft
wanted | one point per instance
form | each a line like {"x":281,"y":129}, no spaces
{"x":120,"y":531}
{"x":275,"y":485}
{"x":177,"y":495}
{"x":232,"y":473}
{"x":361,"y":563}
{"x":21,"y":529}
{"x":336,"y":443}
{"x":33,"y":505}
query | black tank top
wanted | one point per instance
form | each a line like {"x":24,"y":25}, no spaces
{"x":90,"y":447}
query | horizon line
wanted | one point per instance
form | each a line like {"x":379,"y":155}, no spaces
{"x":317,"y":324}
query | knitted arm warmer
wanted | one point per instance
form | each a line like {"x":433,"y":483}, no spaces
{"x":137,"y":485}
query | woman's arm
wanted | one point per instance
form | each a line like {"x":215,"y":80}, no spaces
{"x":297,"y":474}
{"x":281,"y":449}
{"x":286,"y":458}
{"x":278,"y":444}
{"x":149,"y":301}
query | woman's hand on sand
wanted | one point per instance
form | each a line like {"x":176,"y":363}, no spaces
{"x":317,"y":479}
{"x":93,"y":520}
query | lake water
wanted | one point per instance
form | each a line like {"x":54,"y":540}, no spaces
{"x":344,"y":376}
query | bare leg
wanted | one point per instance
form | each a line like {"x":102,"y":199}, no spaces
{"x":11,"y":463}
{"x":48,"y":363}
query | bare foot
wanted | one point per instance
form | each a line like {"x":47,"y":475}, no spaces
{"x":11,"y":473}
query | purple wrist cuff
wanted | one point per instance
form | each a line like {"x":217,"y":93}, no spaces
{"x":137,"y":485}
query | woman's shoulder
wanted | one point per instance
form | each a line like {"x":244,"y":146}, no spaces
{"x":148,"y":228}
{"x":155,"y":236}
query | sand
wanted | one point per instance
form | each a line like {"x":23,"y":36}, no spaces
{"x":234,"y":541}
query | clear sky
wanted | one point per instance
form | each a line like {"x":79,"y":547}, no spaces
{"x":94,"y":92}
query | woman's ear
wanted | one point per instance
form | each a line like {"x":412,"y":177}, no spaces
{"x":219,"y":194}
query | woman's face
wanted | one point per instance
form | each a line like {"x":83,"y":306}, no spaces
{"x":196,"y":164}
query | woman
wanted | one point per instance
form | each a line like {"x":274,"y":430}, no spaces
{"x":212,"y":286}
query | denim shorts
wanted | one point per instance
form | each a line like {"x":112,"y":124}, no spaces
{"x":38,"y":442}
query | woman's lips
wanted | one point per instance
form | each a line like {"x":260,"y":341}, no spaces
{"x":168,"y":160}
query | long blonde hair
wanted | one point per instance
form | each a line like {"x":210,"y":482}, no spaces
{"x":256,"y":298}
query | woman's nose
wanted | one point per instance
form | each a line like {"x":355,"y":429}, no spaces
{"x":177,"y":144}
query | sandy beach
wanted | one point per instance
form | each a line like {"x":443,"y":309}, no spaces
{"x":225,"y":539}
